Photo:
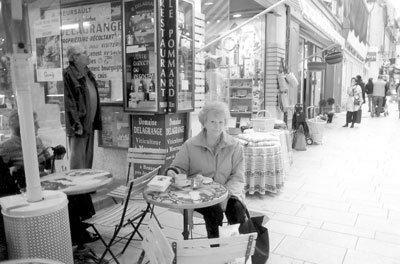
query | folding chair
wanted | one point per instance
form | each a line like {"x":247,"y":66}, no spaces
{"x":159,"y":250}
{"x":144,"y":156}
{"x":123,"y":214}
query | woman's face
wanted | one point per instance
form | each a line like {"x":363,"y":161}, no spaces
{"x":353,"y":81}
{"x":215,"y":123}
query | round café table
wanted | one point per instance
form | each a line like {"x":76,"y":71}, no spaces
{"x":76,"y":181}
{"x":187,"y":198}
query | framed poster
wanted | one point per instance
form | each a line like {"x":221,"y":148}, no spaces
{"x":116,"y":127}
{"x":140,"y":73}
{"x":98,"y":26}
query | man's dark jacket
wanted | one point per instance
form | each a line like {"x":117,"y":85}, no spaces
{"x":77,"y":101}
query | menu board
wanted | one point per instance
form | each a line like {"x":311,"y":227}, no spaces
{"x":159,"y":131}
{"x":115,"y":132}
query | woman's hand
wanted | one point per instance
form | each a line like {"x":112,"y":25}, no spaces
{"x":172,"y":172}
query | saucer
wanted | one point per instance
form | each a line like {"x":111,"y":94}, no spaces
{"x":184,"y":184}
{"x":207,"y":180}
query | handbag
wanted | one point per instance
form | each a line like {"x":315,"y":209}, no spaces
{"x":358,"y":117}
{"x":254,"y":224}
{"x":249,"y":225}
{"x":357,"y":101}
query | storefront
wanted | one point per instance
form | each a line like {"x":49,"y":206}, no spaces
{"x":312,"y":37}
{"x":151,"y":83}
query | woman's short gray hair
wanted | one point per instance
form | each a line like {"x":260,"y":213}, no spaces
{"x":216,"y":106}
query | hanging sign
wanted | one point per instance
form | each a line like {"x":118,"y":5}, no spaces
{"x":334,"y":57}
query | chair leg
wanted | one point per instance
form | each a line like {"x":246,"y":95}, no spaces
{"x":155,"y":217}
{"x":108,"y":246}
{"x":136,"y":228}
{"x":141,"y":257}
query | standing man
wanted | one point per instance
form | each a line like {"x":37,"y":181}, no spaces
{"x":82,"y":107}
{"x":377,"y":96}
{"x":82,"y":117}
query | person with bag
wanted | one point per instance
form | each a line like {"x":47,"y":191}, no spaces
{"x":354,"y":102}
{"x":369,"y":88}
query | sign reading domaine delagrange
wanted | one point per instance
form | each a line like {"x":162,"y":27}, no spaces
{"x":158,"y":131}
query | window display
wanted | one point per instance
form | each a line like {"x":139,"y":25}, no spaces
{"x":140,"y":57}
{"x":239,"y":59}
{"x":98,"y":27}
{"x":159,"y":56}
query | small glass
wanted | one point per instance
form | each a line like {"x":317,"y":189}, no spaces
{"x":196,"y":182}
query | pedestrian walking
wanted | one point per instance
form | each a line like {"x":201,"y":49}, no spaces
{"x":369,"y":88}
{"x":377,"y":96}
{"x":353,"y":103}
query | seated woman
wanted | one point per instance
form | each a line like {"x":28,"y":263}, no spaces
{"x":11,"y":150}
{"x":80,"y":206}
{"x":214,"y":153}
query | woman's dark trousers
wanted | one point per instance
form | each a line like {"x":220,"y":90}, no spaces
{"x":351,"y":117}
{"x":213,"y":216}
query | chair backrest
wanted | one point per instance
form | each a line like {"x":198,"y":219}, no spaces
{"x":157,"y":247}
{"x":136,"y":186}
{"x":150,"y":157}
{"x":32,"y":261}
{"x":198,"y":251}
{"x":140,"y":183}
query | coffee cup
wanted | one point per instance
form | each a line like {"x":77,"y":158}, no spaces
{"x":180,"y":179}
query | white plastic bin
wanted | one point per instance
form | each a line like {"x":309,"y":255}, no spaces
{"x":38,"y":229}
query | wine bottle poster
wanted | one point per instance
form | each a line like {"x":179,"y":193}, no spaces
{"x":140,"y":22}
{"x":142,"y":88}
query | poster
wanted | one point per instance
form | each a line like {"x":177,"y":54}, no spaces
{"x":115,"y":132}
{"x":98,"y":27}
{"x":48,"y":49}
{"x":140,"y":22}
{"x":142,"y":87}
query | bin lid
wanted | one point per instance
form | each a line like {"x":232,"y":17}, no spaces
{"x":18,"y":206}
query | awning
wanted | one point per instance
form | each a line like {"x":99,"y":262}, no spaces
{"x":318,"y":20}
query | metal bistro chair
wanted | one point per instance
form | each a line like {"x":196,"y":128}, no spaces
{"x":144,"y":157}
{"x":120,"y":215}
{"x":159,"y":250}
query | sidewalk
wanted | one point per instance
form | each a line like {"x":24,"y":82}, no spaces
{"x":340,"y":203}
